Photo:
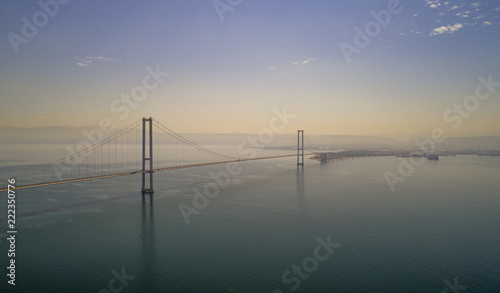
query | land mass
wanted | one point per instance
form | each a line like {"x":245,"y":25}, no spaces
{"x":330,"y":156}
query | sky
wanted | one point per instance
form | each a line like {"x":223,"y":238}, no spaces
{"x":223,"y":66}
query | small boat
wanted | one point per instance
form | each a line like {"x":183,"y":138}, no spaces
{"x":433,"y":157}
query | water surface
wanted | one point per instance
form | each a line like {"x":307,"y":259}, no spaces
{"x":442,"y":223}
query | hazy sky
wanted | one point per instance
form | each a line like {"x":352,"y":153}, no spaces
{"x":229,"y":69}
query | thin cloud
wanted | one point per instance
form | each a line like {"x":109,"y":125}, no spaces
{"x":85,"y":62}
{"x":304,"y":62}
{"x":433,"y":3}
{"x":82,"y":64}
{"x":446,"y":29}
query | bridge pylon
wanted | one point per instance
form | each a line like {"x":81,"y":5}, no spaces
{"x":300,"y":147}
{"x":144,"y":189}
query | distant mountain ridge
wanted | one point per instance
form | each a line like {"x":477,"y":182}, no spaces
{"x":72,"y":135}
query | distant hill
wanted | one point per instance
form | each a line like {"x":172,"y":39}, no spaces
{"x":353,"y":141}
{"x":73,"y":135}
{"x":37,"y":135}
{"x":480,"y":143}
{"x":472,"y":143}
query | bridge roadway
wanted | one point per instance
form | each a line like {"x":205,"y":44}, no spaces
{"x":141,"y":171}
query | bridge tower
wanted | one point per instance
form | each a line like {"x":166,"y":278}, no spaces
{"x":300,"y":147}
{"x":149,"y":190}
{"x":324,"y":157}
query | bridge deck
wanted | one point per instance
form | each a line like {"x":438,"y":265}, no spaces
{"x":140,"y":172}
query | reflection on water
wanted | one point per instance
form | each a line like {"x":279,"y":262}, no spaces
{"x":300,"y":183}
{"x":301,"y":195}
{"x":149,"y":272}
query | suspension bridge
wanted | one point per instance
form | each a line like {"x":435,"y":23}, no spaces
{"x":145,"y":147}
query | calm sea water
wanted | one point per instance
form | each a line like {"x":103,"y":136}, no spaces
{"x":438,"y":232}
